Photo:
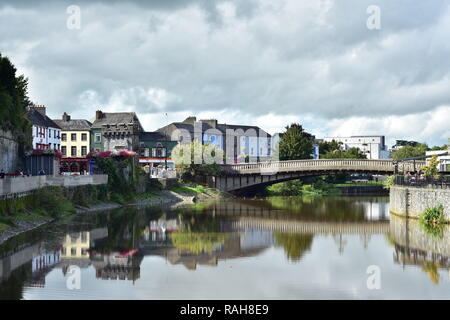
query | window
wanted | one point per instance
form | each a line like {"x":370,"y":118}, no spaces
{"x":98,"y":137}
{"x":63,"y":137}
{"x":73,"y":251}
{"x":83,"y":150}
{"x":73,"y":137}
{"x":49,"y":133}
{"x":64,"y":150}
{"x":73,"y":152}
{"x":83,"y":137}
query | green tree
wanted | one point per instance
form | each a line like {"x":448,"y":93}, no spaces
{"x":195,"y":159}
{"x":296,"y":143}
{"x":14,"y":101}
{"x":410,"y":151}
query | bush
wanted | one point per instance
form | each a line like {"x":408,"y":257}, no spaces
{"x":432,"y":220}
{"x":50,"y":201}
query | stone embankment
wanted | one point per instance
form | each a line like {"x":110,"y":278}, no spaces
{"x":412,"y":201}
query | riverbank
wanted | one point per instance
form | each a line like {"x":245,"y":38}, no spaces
{"x":182,"y":195}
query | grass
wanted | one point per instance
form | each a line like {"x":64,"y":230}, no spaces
{"x":359,"y":184}
{"x":189,"y":190}
{"x":4,"y":227}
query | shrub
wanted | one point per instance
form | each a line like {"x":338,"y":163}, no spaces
{"x":432,"y":220}
{"x":50,"y":201}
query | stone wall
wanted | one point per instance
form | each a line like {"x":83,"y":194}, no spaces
{"x":23,"y":185}
{"x":9,"y":155}
{"x":412,"y":201}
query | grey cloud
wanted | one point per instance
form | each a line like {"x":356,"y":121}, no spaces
{"x":287,"y":57}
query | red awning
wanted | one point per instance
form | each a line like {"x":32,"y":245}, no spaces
{"x":74,"y":159}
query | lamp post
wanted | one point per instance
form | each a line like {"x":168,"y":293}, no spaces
{"x":165,"y":141}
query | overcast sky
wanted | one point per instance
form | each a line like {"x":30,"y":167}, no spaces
{"x":256,"y":62}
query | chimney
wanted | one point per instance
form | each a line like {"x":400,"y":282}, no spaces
{"x":211,"y":122}
{"x":190,"y":120}
{"x":39,"y":108}
{"x":98,"y":115}
{"x":65,"y":117}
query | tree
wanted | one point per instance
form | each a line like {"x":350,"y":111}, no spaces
{"x":325,"y":146}
{"x":13,"y":102}
{"x":195,"y":159}
{"x":410,"y":151}
{"x":296,"y":143}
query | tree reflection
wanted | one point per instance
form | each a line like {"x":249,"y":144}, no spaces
{"x":197,"y":243}
{"x":295,"y":245}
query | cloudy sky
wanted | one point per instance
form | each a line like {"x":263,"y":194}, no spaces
{"x":259,"y":62}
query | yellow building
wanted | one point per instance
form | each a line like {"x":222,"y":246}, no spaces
{"x":75,"y":144}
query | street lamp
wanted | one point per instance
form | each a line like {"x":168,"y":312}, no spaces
{"x":165,"y":141}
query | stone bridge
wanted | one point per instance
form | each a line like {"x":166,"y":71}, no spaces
{"x":238,"y":177}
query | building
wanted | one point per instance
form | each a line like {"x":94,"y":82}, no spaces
{"x":45,"y":132}
{"x":240,"y":143}
{"x":75,"y":143}
{"x":374,"y":147}
{"x":115,"y":131}
{"x":155,"y":149}
{"x":443,"y":156}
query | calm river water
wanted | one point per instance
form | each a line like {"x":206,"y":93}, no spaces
{"x":275,"y":248}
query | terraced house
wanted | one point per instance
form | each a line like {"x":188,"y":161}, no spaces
{"x":115,"y":131}
{"x":75,"y":143}
{"x":45,"y":132}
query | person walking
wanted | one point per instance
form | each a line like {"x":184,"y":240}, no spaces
{"x":2,"y":174}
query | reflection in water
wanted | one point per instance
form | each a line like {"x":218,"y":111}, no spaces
{"x":415,"y":247}
{"x":267,"y":242}
{"x":295,"y":245}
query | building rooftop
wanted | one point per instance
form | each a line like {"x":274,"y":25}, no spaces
{"x":114,"y":118}
{"x":75,"y":124}
{"x":39,"y":119}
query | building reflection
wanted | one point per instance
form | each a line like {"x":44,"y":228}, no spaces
{"x":76,"y":246}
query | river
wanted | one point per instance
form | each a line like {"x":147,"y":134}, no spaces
{"x":274,"y":248}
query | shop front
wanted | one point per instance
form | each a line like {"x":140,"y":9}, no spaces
{"x":75,"y":166}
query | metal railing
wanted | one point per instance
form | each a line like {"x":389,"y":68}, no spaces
{"x":423,"y":181}
{"x":382,"y":166}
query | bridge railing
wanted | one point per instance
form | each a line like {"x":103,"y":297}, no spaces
{"x":320,"y":165}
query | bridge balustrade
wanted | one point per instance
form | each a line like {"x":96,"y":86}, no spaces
{"x":382,"y":166}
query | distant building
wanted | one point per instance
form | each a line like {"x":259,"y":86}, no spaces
{"x":115,"y":131}
{"x":240,"y":143}
{"x":373,"y":147}
{"x":45,"y":132}
{"x":155,"y":149}
{"x":75,"y":143}
{"x":443,"y":156}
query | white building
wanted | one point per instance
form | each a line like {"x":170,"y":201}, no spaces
{"x":46,"y":133}
{"x":374,"y":147}
{"x":443,"y":156}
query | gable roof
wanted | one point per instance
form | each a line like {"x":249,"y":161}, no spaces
{"x":38,"y":119}
{"x":113,"y":118}
{"x":75,"y":124}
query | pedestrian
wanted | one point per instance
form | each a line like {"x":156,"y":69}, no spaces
{"x":2,"y":174}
